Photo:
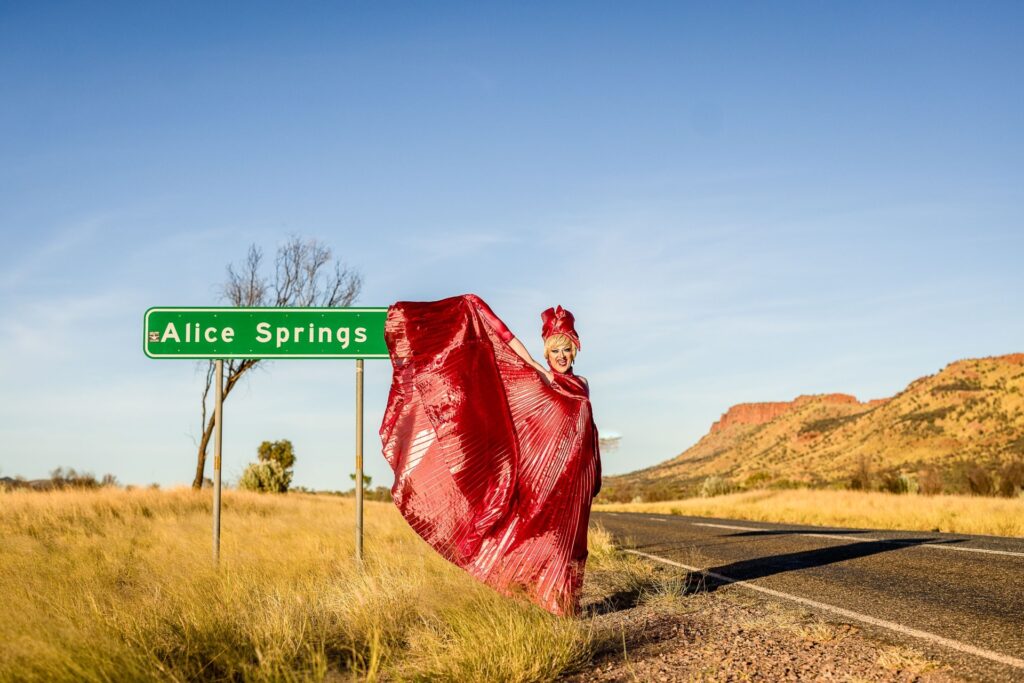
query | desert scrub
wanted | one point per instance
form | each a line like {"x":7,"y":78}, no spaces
{"x":116,"y":585}
{"x":863,"y":509}
{"x":716,"y":486}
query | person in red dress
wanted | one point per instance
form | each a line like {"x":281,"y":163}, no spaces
{"x":495,"y":457}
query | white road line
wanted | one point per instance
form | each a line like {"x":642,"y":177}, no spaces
{"x":727,"y":526}
{"x":849,"y":614}
{"x":913,"y":544}
{"x":659,"y":519}
{"x":971,"y":550}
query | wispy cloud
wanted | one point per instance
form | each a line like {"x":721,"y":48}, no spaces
{"x":456,"y":246}
{"x":49,"y":329}
{"x":19,"y":268}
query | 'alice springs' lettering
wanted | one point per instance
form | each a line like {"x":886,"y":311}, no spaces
{"x":265,"y":333}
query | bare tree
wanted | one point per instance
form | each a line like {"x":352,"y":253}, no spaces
{"x":302,"y":276}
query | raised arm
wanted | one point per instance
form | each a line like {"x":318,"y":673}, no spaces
{"x":518,"y":347}
{"x":507,"y":336}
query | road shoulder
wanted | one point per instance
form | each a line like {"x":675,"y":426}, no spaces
{"x":654,"y":623}
{"x":730,"y":636}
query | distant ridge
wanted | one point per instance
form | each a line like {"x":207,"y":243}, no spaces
{"x":968,"y":415}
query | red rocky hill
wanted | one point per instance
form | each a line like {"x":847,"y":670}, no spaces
{"x":959,"y":430}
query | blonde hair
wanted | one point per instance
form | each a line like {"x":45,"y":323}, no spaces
{"x":557,"y":340}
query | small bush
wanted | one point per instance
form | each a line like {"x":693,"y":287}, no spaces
{"x":273,"y":472}
{"x":266,"y":477}
{"x":929,"y":416}
{"x":827,"y":424}
{"x":897,"y":482}
{"x":980,"y":481}
{"x":716,"y":486}
{"x":962,"y":384}
{"x":1011,"y":478}
{"x":862,"y":476}
{"x":661,"y":491}
{"x":757,"y":479}
{"x":281,"y":452}
{"x":930,"y":482}
{"x":69,"y":478}
{"x":381,"y":493}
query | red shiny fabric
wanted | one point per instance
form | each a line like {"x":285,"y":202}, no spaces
{"x":559,"y":321}
{"x":493,"y":468}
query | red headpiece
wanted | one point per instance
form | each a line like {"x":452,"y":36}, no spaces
{"x":559,"y":321}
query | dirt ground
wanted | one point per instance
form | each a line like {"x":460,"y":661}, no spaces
{"x":731,"y":636}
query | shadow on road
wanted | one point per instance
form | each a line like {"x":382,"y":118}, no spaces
{"x":760,"y":567}
{"x":900,"y":542}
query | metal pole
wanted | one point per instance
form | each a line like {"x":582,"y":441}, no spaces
{"x":217,"y":440}
{"x":359,"y":461}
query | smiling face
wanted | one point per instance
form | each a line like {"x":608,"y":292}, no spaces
{"x":560,"y":352}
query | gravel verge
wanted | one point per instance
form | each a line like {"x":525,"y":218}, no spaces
{"x":730,"y":636}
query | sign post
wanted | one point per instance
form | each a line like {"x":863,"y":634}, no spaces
{"x":359,"y":461}
{"x":274,"y":333}
{"x":218,"y":439}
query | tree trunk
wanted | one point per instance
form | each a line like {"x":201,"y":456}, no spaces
{"x":197,"y":483}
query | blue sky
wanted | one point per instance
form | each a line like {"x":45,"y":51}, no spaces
{"x":739,"y":202}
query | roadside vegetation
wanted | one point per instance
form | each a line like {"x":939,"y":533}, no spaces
{"x":109,"y":584}
{"x":960,"y":476}
{"x":863,"y":509}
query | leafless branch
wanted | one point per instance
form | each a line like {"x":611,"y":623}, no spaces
{"x":300,"y":279}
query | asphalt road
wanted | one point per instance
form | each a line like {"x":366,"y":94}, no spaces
{"x":942,"y":590}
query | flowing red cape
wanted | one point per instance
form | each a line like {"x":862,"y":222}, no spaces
{"x":493,"y":468}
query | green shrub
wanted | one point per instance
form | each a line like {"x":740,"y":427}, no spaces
{"x":69,"y":478}
{"x":716,"y":486}
{"x":962,"y":384}
{"x":897,"y":482}
{"x":827,"y":424}
{"x":266,"y":477}
{"x":273,"y":472}
{"x":281,"y":452}
{"x":928,"y":416}
{"x":757,"y":479}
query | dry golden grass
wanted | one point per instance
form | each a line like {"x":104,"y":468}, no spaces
{"x":772,"y":617}
{"x":953,"y":514}
{"x":118,"y":585}
{"x":616,"y":576}
{"x":902,"y":659}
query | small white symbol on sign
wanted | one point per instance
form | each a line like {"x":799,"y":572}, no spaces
{"x":154,"y":336}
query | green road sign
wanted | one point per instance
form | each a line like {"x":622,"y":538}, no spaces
{"x":212,"y":332}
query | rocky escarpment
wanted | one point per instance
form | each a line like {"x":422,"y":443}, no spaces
{"x":760,"y":413}
{"x":960,"y":430}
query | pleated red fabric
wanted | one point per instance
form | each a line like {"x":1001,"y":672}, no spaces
{"x":493,"y":468}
